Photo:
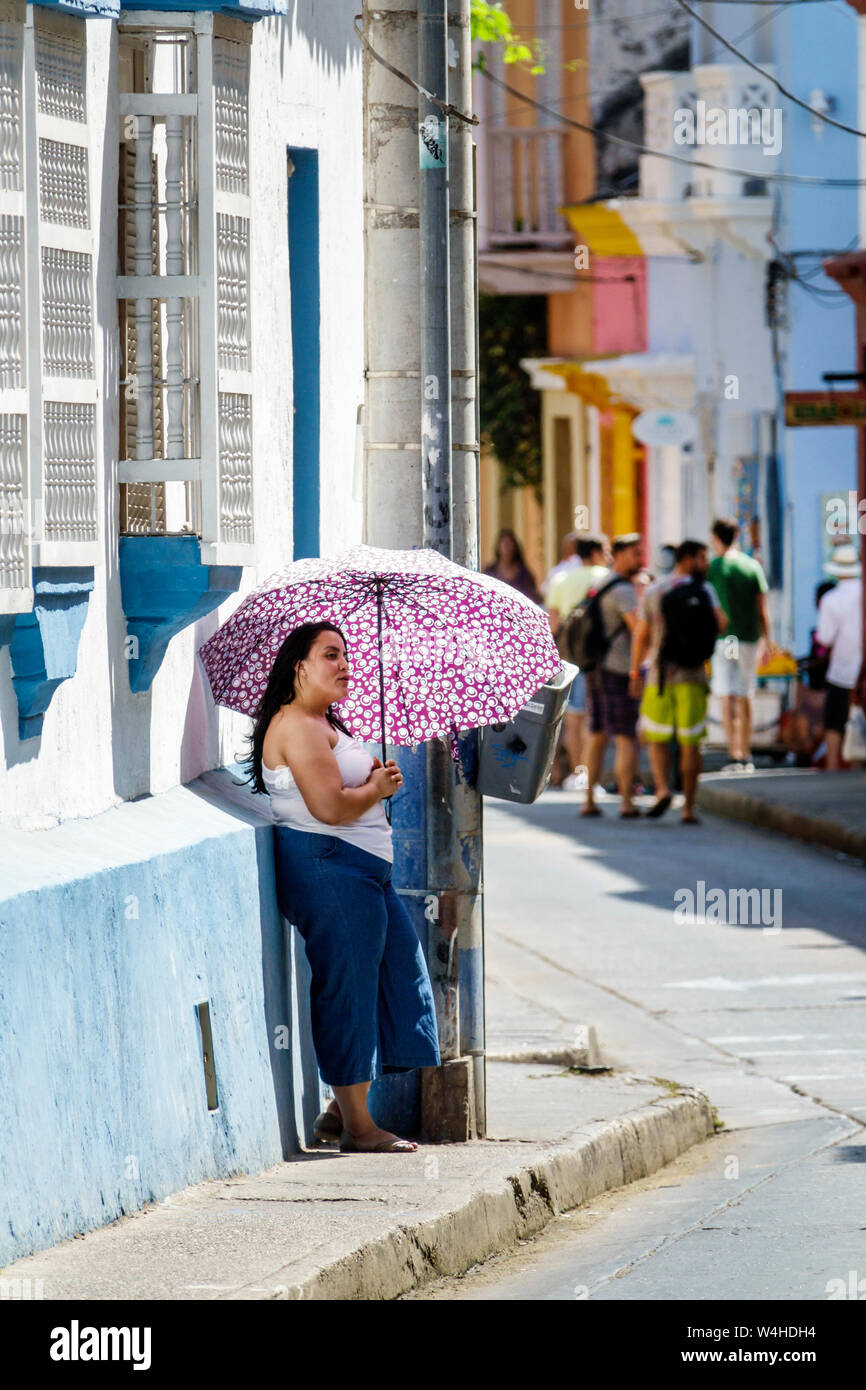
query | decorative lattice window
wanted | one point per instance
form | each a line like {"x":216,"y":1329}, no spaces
{"x":48,"y":419}
{"x":184,"y":288}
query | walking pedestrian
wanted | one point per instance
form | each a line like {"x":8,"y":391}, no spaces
{"x":568,"y":590}
{"x":741,"y":586}
{"x":568,"y":560}
{"x":840,"y":628}
{"x":678,"y":624}
{"x":371,"y":999}
{"x":611,"y":708}
{"x":509,"y":565}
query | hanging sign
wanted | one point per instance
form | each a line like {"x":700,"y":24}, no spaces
{"x":825,"y":407}
{"x":664,"y":427}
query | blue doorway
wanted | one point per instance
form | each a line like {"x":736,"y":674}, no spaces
{"x":303,"y":170}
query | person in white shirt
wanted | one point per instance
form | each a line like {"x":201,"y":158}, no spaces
{"x":840,"y":627}
{"x":569,"y":559}
{"x":569,"y":588}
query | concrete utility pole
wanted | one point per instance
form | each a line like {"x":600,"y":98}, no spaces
{"x":420,"y":484}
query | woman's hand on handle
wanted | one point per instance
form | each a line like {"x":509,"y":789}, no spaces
{"x":387,"y":779}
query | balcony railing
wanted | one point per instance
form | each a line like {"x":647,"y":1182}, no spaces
{"x":527,"y":186}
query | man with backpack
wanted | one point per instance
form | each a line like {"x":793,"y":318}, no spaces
{"x":596,"y":636}
{"x":678,"y":624}
{"x":569,"y":589}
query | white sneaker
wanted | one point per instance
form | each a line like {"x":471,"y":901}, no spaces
{"x":575,"y":782}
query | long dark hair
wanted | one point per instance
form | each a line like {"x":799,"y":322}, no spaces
{"x":518,"y":548}
{"x":281,"y":691}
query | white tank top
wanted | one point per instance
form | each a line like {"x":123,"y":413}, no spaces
{"x":370,"y":831}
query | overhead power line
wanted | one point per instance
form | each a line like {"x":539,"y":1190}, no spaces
{"x":808,"y":179}
{"x":777,"y":4}
{"x":768,"y":77}
{"x":444,"y":106}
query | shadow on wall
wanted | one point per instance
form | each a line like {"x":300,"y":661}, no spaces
{"x":331,"y":40}
{"x":199,"y":747}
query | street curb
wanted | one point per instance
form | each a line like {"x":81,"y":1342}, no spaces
{"x":769,"y":815}
{"x":606,"y":1155}
{"x":583,"y":1054}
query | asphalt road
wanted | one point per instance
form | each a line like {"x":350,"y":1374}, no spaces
{"x":761,"y":1002}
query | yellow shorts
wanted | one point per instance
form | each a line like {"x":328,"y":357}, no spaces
{"x":682,"y":707}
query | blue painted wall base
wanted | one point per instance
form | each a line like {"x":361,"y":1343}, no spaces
{"x":164,"y":588}
{"x":106,"y":950}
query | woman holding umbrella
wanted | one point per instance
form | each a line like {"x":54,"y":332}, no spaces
{"x":371,"y":999}
{"x":436,"y":649}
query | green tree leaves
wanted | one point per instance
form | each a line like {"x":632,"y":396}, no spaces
{"x":491,"y":24}
{"x":512,"y":327}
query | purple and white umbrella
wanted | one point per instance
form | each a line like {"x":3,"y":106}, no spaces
{"x":433,"y":647}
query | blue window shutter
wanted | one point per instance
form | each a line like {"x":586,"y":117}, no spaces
{"x":241,"y":9}
{"x":306,"y":348}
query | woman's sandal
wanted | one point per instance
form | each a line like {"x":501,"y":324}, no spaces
{"x":328,"y":1127}
{"x":385,"y":1146}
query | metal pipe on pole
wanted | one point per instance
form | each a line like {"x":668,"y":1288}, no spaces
{"x":418,"y":265}
{"x":434,"y":264}
{"x":435,"y":352}
{"x":467,"y":837}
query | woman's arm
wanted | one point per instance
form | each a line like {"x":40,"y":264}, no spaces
{"x":308,"y":752}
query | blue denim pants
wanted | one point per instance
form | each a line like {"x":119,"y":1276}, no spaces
{"x":370,"y":997}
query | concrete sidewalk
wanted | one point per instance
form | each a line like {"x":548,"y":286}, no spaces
{"x":823,"y":808}
{"x":330,"y":1226}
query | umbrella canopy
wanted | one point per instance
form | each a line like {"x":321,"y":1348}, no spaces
{"x":433,"y":647}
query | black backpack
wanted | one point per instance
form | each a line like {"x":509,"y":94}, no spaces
{"x":690,"y":628}
{"x":582,"y":638}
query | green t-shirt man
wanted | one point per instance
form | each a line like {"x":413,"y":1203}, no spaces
{"x":738,"y":579}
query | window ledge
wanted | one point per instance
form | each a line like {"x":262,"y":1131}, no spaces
{"x":164,"y":588}
{"x":43,"y":643}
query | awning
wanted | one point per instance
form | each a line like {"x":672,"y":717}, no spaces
{"x":241,"y":9}
{"x":602,"y":229}
{"x":650,"y":380}
{"x":557,"y":373}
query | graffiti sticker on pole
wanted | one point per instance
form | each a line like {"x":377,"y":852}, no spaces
{"x":433,"y":143}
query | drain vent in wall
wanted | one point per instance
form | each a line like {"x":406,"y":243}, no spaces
{"x":202,"y":1011}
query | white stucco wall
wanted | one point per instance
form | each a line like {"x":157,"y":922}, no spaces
{"x":100,"y":743}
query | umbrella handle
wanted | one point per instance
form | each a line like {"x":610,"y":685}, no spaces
{"x":382,"y":685}
{"x":381,"y":665}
